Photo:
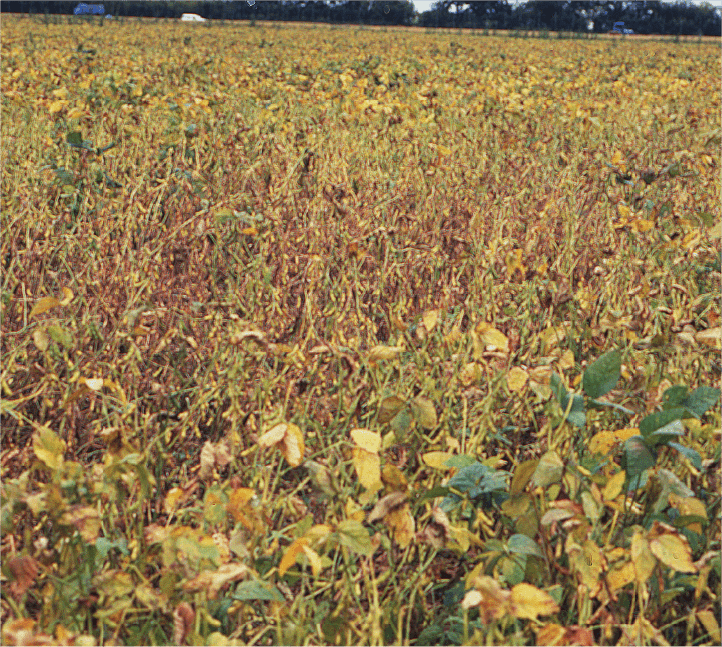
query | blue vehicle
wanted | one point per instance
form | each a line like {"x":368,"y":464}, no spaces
{"x":89,"y":9}
{"x":619,"y":28}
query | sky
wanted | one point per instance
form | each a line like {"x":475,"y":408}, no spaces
{"x":425,"y":5}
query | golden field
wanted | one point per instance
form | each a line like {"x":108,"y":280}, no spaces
{"x":328,"y":335}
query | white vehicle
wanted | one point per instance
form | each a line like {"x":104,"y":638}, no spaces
{"x":192,"y":17}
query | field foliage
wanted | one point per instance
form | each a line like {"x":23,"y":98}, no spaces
{"x":319,"y":335}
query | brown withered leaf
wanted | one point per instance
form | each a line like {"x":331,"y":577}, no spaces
{"x":24,"y":570}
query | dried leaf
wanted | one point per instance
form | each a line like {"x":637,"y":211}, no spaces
{"x":424,"y":412}
{"x":516,"y":379}
{"x":378,"y":353}
{"x":183,"y":618}
{"x":24,"y":570}
{"x":43,"y":305}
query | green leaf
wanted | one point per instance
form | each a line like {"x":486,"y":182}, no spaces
{"x":601,"y":404}
{"x":401,"y":423}
{"x":557,"y":387}
{"x":660,"y":419}
{"x":674,"y":396}
{"x":577,"y":413}
{"x":701,"y":400}
{"x":354,"y":535}
{"x":64,"y":176}
{"x":255,"y":590}
{"x":706,"y":218}
{"x":460,"y":460}
{"x":602,"y":375}
{"x":524,"y":545}
{"x":691,"y":454}
{"x":74,"y":138}
{"x":434,"y":493}
{"x":664,"y":435}
{"x":61,"y":336}
{"x":637,"y":457}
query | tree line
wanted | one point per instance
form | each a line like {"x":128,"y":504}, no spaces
{"x":643,"y":17}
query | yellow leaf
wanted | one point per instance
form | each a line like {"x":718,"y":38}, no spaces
{"x":529,"y":602}
{"x":57,"y":106}
{"x":471,"y":599}
{"x":367,"y":440}
{"x":709,"y":621}
{"x":386,"y":505}
{"x":619,"y":576}
{"x":613,"y":488}
{"x":43,"y":305}
{"x":213,"y":581}
{"x":470,"y":373}
{"x":208,"y":459}
{"x":68,"y":296}
{"x":551,"y":634}
{"x":273,"y":436}
{"x":514,"y":264}
{"x":436,"y":460}
{"x":430,"y":318}
{"x":494,"y":339}
{"x":642,"y":557}
{"x":249,"y":231}
{"x":172,"y":499}
{"x":289,"y":557}
{"x":94,"y":384}
{"x":711,"y":337}
{"x":41,"y":340}
{"x":49,"y":448}
{"x":313,"y":558}
{"x":604,"y":441}
{"x":401,"y":524}
{"x":318,"y":532}
{"x":378,"y":353}
{"x":86,"y":520}
{"x":516,"y":379}
{"x":642,"y":225}
{"x":566,"y":361}
{"x":689,"y":506}
{"x":673,"y":550}
{"x":368,"y":468}
{"x":393,"y":478}
{"x":293,"y":446}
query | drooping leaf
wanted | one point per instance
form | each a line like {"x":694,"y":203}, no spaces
{"x":637,"y":457}
{"x":688,"y":453}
